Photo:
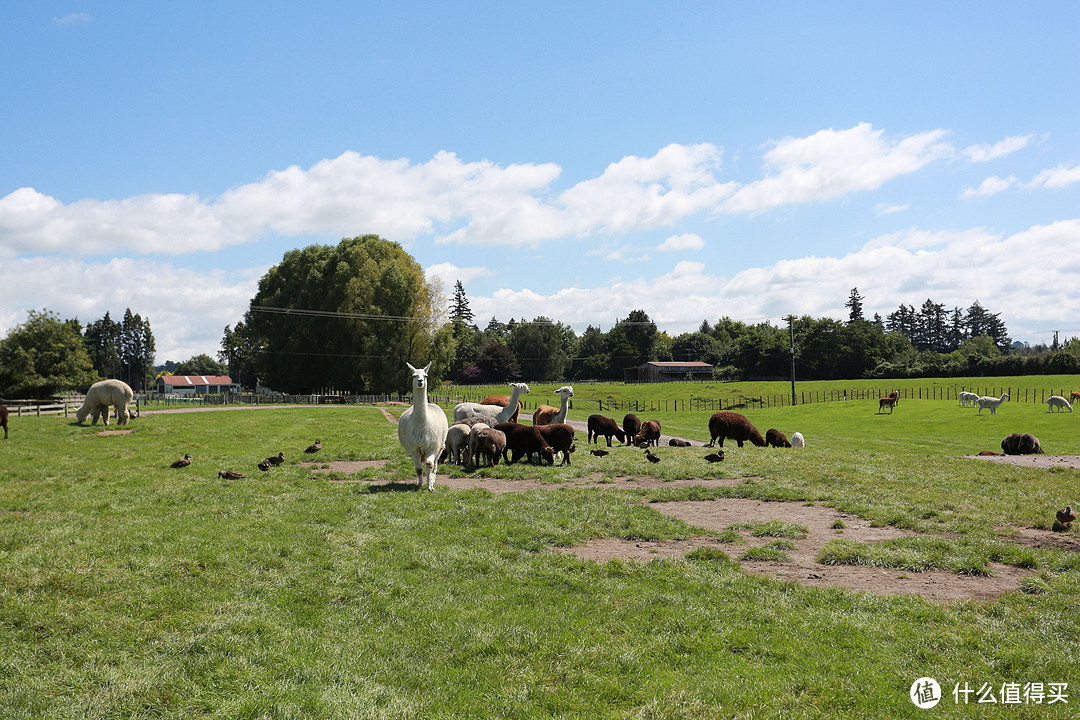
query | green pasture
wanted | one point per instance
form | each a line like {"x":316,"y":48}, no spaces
{"x":132,"y":590}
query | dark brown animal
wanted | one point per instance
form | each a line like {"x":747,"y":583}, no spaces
{"x":4,"y":418}
{"x":490,"y":444}
{"x":1017,"y":444}
{"x":727,"y":424}
{"x":599,"y":453}
{"x":715,"y":457}
{"x":276,"y":459}
{"x":631,"y":426}
{"x":678,"y":442}
{"x":503,"y":401}
{"x":524,"y":440}
{"x":182,"y":462}
{"x":314,"y":447}
{"x":651,"y":457}
{"x":229,"y":474}
{"x":1066,"y":516}
{"x":775,"y":438}
{"x":599,"y":425}
{"x":889,"y":402}
{"x":264,"y":465}
{"x":649,"y":434}
{"x":560,"y":437}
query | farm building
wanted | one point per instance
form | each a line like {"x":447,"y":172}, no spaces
{"x":197,"y":384}
{"x":668,"y":372}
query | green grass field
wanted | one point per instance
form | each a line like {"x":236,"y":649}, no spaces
{"x":132,"y":590}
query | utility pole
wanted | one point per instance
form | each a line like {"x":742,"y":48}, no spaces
{"x":791,"y":331}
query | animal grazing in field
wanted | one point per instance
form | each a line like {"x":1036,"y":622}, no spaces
{"x":503,"y":401}
{"x":991,"y":402}
{"x":1074,"y":396}
{"x":263,"y":465}
{"x":230,"y":474}
{"x":599,"y":425}
{"x":715,"y":457}
{"x":474,"y":436}
{"x":678,"y":442}
{"x":560,"y":437}
{"x":547,"y":415}
{"x":797,"y":440}
{"x":631,"y":426}
{"x":493,"y":413}
{"x":4,"y":418}
{"x":490,"y":444}
{"x":775,"y":438}
{"x":651,"y":457}
{"x":276,"y":459}
{"x":456,"y":445}
{"x":182,"y":462}
{"x":967,"y":399}
{"x":889,"y":402}
{"x":314,"y":447}
{"x":1017,"y":444}
{"x":727,"y":424}
{"x":1066,"y":517}
{"x":103,"y":395}
{"x":599,"y":453}
{"x":422,"y":430}
{"x":1056,"y":401}
{"x":525,"y":440}
{"x":649,"y":434}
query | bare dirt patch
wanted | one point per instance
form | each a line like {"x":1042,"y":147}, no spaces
{"x":803,"y":568}
{"x":1035,"y":461}
{"x":343,"y":467}
{"x":1033,"y":537}
{"x":105,"y":433}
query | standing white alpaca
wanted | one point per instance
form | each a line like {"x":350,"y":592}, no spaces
{"x":422,"y":430}
{"x":547,"y":415}
{"x":993,"y":403}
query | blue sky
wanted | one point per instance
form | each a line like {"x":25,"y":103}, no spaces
{"x":573,"y":160}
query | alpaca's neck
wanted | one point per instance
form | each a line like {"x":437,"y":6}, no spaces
{"x":419,"y":401}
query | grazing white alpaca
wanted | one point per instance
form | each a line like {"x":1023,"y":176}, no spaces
{"x":797,"y":440}
{"x":494,"y":413}
{"x":547,"y":415}
{"x":991,"y":402}
{"x":967,"y":399}
{"x":1056,"y":401}
{"x":100,"y":397}
{"x":422,"y":430}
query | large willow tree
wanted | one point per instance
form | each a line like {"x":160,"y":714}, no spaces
{"x":345,"y":317}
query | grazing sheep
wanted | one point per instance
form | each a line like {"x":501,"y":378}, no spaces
{"x":631,"y":426}
{"x":560,"y":437}
{"x":775,"y":438}
{"x":678,"y":442}
{"x":547,"y":415}
{"x":727,"y":424}
{"x":422,"y":430}
{"x":1017,"y":444}
{"x":1056,"y":401}
{"x":4,"y":419}
{"x":649,"y":434}
{"x":490,"y":444}
{"x":472,"y":421}
{"x":797,"y":440}
{"x":991,"y":402}
{"x":493,"y":413}
{"x":967,"y":399}
{"x":456,"y":444}
{"x":524,"y":440}
{"x":100,"y":397}
{"x":889,"y":402}
{"x":474,"y":436}
{"x":503,"y":401}
{"x":599,"y":425}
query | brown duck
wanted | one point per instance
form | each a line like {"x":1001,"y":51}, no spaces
{"x":1066,"y":516}
{"x":264,"y":465}
{"x":651,"y":458}
{"x":314,"y":447}
{"x":276,"y":459}
{"x":230,"y":474}
{"x":599,"y":453}
{"x":715,"y":457}
{"x":182,"y":462}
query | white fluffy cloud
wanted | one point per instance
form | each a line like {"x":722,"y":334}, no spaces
{"x":685,"y":241}
{"x":990,"y":186}
{"x":985,"y":153}
{"x":449,"y":273}
{"x":1058,"y":177}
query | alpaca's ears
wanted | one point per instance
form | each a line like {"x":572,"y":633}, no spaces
{"x":411,"y":368}
{"x":428,"y":367}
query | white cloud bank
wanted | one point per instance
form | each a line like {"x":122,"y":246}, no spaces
{"x":456,"y":201}
{"x":990,"y":186}
{"x":986,"y":153}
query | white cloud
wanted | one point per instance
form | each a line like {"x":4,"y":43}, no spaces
{"x":832,"y":163}
{"x":1056,"y":178}
{"x":73,"y":19}
{"x":985,"y":153}
{"x":685,"y":241}
{"x":883,"y":209}
{"x":449,"y":274}
{"x":990,"y":186}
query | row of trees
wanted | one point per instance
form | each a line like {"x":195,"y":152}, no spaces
{"x":47,"y":354}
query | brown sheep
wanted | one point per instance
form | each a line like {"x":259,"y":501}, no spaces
{"x":560,"y":437}
{"x":524,"y":440}
{"x":1017,"y":444}
{"x":726,"y":424}
{"x":490,"y":444}
{"x":775,"y":438}
{"x":600,"y":425}
{"x":4,"y":418}
{"x":503,"y":401}
{"x":631,"y":426}
{"x":648,"y":435}
{"x":678,"y":442}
